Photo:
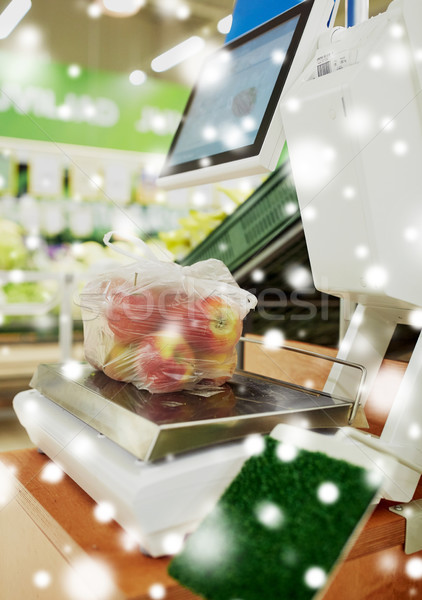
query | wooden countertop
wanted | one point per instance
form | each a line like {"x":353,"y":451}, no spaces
{"x":65,"y":514}
{"x":19,"y":361}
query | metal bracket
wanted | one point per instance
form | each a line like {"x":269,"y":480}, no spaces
{"x":412,"y":512}
{"x":356,"y":402}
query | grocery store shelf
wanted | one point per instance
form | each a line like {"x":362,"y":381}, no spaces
{"x":19,"y":361}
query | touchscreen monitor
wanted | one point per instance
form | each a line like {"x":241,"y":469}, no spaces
{"x":231,"y":124}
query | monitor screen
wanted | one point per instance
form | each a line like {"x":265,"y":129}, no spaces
{"x":231,"y":108}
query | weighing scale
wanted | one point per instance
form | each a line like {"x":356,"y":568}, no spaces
{"x":160,"y":461}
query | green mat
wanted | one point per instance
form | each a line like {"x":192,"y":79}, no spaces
{"x":278,"y":530}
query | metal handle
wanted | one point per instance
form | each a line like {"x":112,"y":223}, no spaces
{"x":356,"y":402}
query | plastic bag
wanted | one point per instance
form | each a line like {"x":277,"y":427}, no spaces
{"x":164,"y":327}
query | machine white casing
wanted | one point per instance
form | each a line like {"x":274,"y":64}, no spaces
{"x":273,"y":144}
{"x":355,"y":143}
{"x":353,"y":123}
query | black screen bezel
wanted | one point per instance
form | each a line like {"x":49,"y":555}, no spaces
{"x":302,"y":9}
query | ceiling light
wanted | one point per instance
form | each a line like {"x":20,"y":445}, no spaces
{"x":137,"y":77}
{"x":177,"y":54}
{"x":122,"y":8}
{"x":94,"y":10}
{"x":225,"y":24}
{"x":12,"y":15}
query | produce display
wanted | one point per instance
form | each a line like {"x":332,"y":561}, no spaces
{"x":192,"y":231}
{"x":30,"y":253}
{"x":164,"y":327}
{"x":13,"y":253}
{"x":198,"y":224}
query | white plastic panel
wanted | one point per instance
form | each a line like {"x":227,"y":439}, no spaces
{"x":355,"y":143}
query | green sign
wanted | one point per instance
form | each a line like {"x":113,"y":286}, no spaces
{"x":40,"y":101}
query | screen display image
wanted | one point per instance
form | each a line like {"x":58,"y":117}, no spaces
{"x":238,"y":85}
{"x":234,"y":100}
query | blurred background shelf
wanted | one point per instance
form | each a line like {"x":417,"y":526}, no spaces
{"x":18,"y":362}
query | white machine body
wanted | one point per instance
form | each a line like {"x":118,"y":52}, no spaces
{"x":353,"y":124}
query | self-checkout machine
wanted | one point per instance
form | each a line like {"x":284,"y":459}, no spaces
{"x":353,"y":124}
{"x":107,"y":443}
{"x":349,"y":119}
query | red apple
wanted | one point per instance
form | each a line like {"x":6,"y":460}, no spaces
{"x":166,"y":362}
{"x":216,"y":369}
{"x":120,"y":363}
{"x":212,"y":325}
{"x":131,"y":316}
{"x":173,"y":309}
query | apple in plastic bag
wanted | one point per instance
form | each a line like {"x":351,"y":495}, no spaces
{"x":212,"y":325}
{"x":174,"y":310}
{"x":95,"y":292}
{"x":131,"y":316}
{"x":216,"y":369}
{"x":166,"y":362}
{"x":98,"y":341}
{"x":120,"y":362}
